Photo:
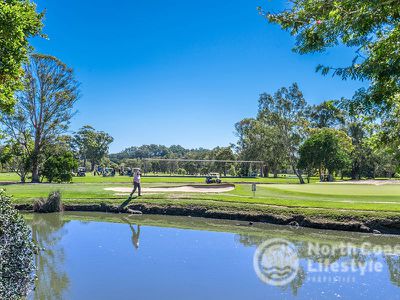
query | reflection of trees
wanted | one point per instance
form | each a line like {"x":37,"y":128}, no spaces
{"x":355,"y":255}
{"x":47,"y":231}
{"x":393,"y":263}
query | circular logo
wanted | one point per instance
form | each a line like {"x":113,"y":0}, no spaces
{"x":275,"y":262}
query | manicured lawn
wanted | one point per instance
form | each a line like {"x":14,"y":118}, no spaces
{"x":333,"y":197}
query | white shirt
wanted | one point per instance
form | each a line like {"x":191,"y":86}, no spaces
{"x":136,"y":178}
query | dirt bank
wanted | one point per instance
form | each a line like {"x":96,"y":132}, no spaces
{"x":347,"y":223}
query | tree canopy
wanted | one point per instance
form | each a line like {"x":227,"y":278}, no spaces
{"x":370,"y":27}
{"x":44,"y":107}
{"x":19,"y":21}
{"x":92,"y":145}
{"x":326,"y":149}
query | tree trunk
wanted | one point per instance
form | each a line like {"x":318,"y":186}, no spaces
{"x":92,"y":166}
{"x":298,"y":175}
{"x":35,"y":158}
{"x":22,"y":177}
{"x":266,"y":171}
{"x":275,"y":173}
{"x":35,"y":166}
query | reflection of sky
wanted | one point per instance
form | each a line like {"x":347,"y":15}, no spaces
{"x":184,"y":264}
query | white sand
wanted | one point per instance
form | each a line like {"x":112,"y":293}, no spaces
{"x":184,"y":189}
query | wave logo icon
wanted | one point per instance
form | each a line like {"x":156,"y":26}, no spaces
{"x":276,"y":262}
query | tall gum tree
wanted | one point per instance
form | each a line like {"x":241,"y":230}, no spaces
{"x":44,"y":106}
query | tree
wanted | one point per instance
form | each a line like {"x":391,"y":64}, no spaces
{"x":18,"y":143}
{"x":59,"y":167}
{"x":92,"y":145}
{"x":18,"y":159}
{"x":327,"y":114}
{"x":370,"y":27}
{"x":260,"y":141}
{"x":286,"y":112}
{"x":222,"y":153}
{"x":44,"y":106}
{"x":326,"y":149}
{"x":19,"y":22}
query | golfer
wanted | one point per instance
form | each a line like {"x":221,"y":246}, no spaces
{"x":136,"y":184}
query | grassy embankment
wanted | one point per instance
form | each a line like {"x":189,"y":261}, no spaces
{"x":330,"y":202}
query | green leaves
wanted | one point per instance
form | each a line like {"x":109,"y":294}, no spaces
{"x":371,"y":27}
{"x":16,"y":252}
{"x":19,"y":21}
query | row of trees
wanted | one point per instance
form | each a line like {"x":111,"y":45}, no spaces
{"x":133,"y":157}
{"x":332,"y":137}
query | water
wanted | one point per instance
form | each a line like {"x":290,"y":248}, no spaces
{"x":105,"y":256}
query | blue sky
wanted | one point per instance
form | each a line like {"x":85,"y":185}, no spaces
{"x":178,"y":72}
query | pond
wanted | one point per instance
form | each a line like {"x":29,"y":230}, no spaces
{"x":106,"y":256}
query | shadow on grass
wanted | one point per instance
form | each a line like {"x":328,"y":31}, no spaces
{"x":127,"y":201}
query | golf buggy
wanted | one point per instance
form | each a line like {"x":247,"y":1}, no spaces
{"x":213,"y":178}
{"x":81,"y":172}
{"x":108,"y":172}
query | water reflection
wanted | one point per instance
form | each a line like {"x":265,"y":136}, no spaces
{"x":135,"y":233}
{"x":327,"y":259}
{"x":90,"y":256}
{"x":47,"y":232}
{"x":393,"y":264}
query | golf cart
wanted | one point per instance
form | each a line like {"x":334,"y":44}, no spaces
{"x":81,"y":172}
{"x":108,"y":172}
{"x":213,"y":178}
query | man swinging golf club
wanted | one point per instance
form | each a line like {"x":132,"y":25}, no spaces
{"x":136,"y":184}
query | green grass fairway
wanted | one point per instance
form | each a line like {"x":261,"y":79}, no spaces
{"x":334,"y":197}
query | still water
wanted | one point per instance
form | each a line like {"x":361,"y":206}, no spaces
{"x":105,"y":256}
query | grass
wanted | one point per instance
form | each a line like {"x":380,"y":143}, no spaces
{"x":319,"y":200}
{"x":89,"y":178}
{"x":334,"y":197}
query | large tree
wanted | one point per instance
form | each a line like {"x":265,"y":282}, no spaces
{"x":92,"y":145}
{"x":19,"y":21}
{"x":370,"y":27}
{"x":326,"y":114}
{"x":326,"y":149}
{"x":259,"y":141}
{"x":44,"y":107}
{"x":287,"y":112}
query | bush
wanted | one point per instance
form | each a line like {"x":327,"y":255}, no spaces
{"x":59,"y":167}
{"x":181,"y":171}
{"x":16,"y":252}
{"x":53,"y":203}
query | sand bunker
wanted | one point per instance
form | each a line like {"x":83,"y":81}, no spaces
{"x":185,"y":189}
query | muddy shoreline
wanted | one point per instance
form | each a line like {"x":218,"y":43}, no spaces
{"x":376,"y":225}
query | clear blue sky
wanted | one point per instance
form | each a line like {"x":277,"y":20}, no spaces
{"x":178,"y":72}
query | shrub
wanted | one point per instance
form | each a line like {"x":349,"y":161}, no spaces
{"x":53,"y":203}
{"x":16,"y":252}
{"x":181,"y":171}
{"x":59,"y":167}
